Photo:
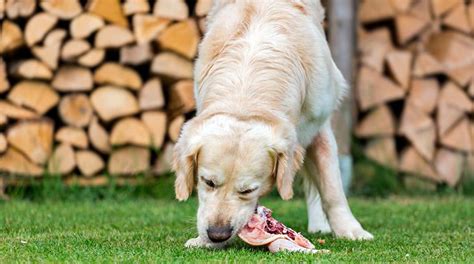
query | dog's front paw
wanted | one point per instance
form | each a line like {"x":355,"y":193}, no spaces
{"x":353,"y":233}
{"x":195,"y":243}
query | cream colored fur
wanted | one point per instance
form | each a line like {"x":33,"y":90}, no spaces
{"x":265,"y":88}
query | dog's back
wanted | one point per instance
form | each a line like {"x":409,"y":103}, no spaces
{"x":261,"y":53}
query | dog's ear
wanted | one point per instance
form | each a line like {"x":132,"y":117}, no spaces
{"x":288,"y":156}
{"x":185,"y":158}
{"x":287,"y":163}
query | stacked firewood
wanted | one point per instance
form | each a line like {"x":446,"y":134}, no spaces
{"x":415,"y":86}
{"x":95,"y":88}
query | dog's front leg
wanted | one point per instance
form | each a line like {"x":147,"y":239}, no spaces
{"x":317,"y":220}
{"x":323,"y":153}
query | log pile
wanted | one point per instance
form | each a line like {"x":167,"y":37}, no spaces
{"x":90,"y":88}
{"x":415,"y":86}
{"x":101,"y":87}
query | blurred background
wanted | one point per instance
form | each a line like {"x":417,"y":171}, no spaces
{"x":93,"y":93}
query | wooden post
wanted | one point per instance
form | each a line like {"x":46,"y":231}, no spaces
{"x":342,"y":21}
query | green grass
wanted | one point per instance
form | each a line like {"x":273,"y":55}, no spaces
{"x":423,"y":229}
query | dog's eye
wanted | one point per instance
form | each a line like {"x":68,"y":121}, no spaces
{"x":209,"y":183}
{"x":248,"y":191}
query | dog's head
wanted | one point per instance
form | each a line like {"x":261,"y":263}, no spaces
{"x":232,"y":163}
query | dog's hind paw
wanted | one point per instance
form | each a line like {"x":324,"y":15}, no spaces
{"x":354,"y":234}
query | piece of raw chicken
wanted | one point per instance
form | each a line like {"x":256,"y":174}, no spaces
{"x":264,"y":230}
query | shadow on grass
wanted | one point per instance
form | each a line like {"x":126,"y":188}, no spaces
{"x":53,"y":188}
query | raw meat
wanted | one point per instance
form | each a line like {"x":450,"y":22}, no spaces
{"x":264,"y":230}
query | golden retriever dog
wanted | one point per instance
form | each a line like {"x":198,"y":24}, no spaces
{"x":265,"y":89}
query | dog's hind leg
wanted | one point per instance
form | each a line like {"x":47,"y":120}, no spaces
{"x":323,"y":153}
{"x":317,"y":220}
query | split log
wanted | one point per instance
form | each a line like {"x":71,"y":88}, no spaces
{"x":401,"y":6}
{"x":15,"y":163}
{"x":55,"y":36}
{"x":424,"y":94}
{"x":11,"y":37}
{"x":374,"y":89}
{"x":129,"y":161}
{"x":451,"y":49}
{"x":32,"y":138}
{"x":182,"y":38}
{"x":49,"y":52}
{"x":98,"y":136}
{"x":130,"y":131}
{"x":71,"y":78}
{"x":182,"y":97}
{"x":459,"y":137}
{"x":89,"y":163}
{"x":34,"y":95}
{"x":4,"y":83}
{"x":421,"y":9}
{"x":37,"y":27}
{"x":383,"y":151}
{"x":399,"y":63}
{"x":471,"y":88}
{"x":412,"y":162}
{"x":440,"y":7}
{"x":173,"y":66}
{"x":110,"y":10}
{"x":452,"y":105}
{"x":62,"y":9}
{"x":470,"y":12}
{"x":92,"y":58}
{"x":379,"y":122}
{"x":425,"y":64}
{"x":163,"y":163}
{"x":151,"y":95}
{"x":463,"y":74}
{"x":155,"y":122}
{"x":112,"y":36}
{"x":373,"y":48}
{"x":203,"y":7}
{"x":112,"y":102}
{"x":74,"y":48}
{"x":147,"y":27}
{"x":131,"y":7}
{"x":136,"y":55}
{"x":458,"y":19}
{"x":408,"y":27}
{"x":31,"y":69}
{"x":76,"y":110}
{"x":449,"y":165}
{"x":62,"y":160}
{"x":171,"y":9}
{"x":447,"y":117}
{"x":116,"y":74}
{"x":2,"y":15}
{"x":420,"y":130}
{"x":15,"y":112}
{"x":375,"y":10}
{"x":453,"y":96}
{"x":84,"y":25}
{"x":3,"y":120}
{"x":73,"y":136}
{"x":174,"y":128}
{"x":3,"y":143}
{"x":19,"y":8}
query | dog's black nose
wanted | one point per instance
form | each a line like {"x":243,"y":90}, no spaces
{"x":219,"y":233}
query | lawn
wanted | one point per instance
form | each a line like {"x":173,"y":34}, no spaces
{"x":423,"y":229}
